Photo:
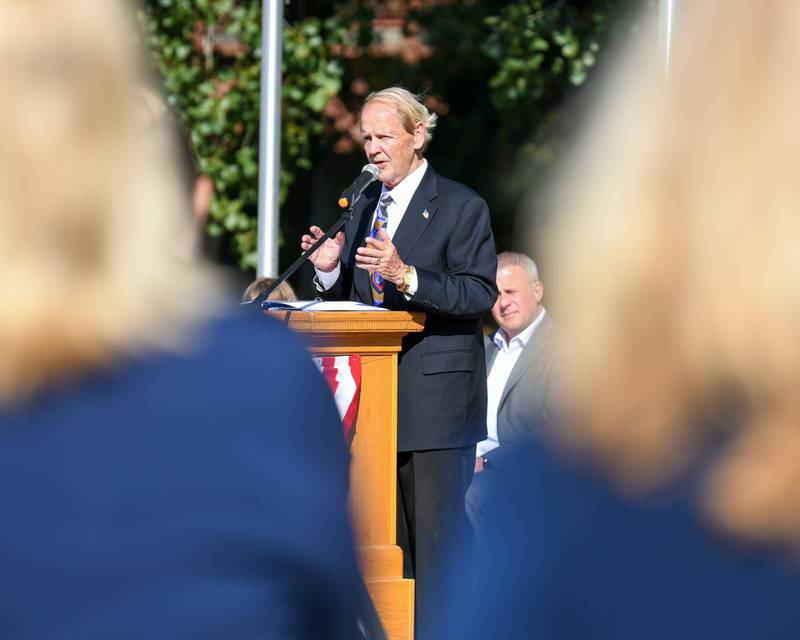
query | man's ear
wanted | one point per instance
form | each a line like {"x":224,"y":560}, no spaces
{"x":420,"y":132}
{"x":538,"y":291}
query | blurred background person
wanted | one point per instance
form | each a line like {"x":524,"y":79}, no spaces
{"x":142,"y":495}
{"x":260,"y":285}
{"x":520,"y":364}
{"x":672,"y":510}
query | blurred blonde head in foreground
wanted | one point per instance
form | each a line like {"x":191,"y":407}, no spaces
{"x":92,"y":214}
{"x":676,"y":267}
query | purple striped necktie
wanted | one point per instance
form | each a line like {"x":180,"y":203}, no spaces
{"x":381,"y":217}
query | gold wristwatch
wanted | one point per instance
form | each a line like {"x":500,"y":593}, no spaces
{"x":408,"y":278}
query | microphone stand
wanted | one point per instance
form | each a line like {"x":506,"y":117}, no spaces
{"x":346,"y":216}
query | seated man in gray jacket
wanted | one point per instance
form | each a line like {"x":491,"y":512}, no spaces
{"x":520,"y":360}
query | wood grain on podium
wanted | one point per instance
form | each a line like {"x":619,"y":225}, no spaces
{"x":377,"y":338}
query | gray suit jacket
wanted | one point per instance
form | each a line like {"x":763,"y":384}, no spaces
{"x":526,"y":405}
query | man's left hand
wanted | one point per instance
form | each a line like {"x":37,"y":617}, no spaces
{"x":380,"y":255}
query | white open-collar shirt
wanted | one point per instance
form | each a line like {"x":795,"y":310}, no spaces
{"x":508,"y":352}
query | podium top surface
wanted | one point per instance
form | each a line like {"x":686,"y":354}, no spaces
{"x":351,"y":322}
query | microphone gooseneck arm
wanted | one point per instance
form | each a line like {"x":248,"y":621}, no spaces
{"x":343,"y":220}
{"x":369,"y":173}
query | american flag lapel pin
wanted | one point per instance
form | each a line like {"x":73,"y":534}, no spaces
{"x":425,"y":214}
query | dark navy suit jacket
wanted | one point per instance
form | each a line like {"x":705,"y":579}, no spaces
{"x":568,"y":558}
{"x":446,"y":235}
{"x":192,"y":496}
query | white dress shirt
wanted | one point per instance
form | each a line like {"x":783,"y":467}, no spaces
{"x":507,"y":355}
{"x":401,"y":198}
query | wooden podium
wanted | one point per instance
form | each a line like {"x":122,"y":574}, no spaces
{"x":376,"y":337}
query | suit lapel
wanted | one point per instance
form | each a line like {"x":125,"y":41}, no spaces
{"x":418,"y":215}
{"x":491,"y":352}
{"x":530,"y":354}
{"x":360,"y":230}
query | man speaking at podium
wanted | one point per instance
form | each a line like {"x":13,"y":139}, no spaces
{"x":418,"y":241}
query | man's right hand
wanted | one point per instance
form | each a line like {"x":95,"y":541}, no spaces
{"x":327,"y":256}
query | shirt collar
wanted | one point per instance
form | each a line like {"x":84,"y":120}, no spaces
{"x":404,"y":191}
{"x":522,"y":338}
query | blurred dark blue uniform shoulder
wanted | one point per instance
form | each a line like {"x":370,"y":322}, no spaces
{"x":567,"y":556}
{"x":192,"y":495}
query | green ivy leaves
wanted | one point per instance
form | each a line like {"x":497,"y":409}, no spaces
{"x":539,"y":45}
{"x":208,"y":54}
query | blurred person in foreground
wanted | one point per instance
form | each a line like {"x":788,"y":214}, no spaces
{"x":142,"y":496}
{"x":520,"y":362}
{"x":670,"y":508}
{"x":421,"y":242}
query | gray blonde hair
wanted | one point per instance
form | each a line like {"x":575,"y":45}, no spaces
{"x":514,"y":259}
{"x":410,"y":107}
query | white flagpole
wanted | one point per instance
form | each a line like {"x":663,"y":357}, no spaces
{"x":667,"y":11}
{"x":269,"y":155}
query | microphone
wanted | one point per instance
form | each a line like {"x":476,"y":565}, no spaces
{"x":369,"y":172}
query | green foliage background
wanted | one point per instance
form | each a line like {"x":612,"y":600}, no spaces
{"x":214,"y":92}
{"x":504,"y":68}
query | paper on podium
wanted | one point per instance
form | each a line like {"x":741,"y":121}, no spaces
{"x":320,"y":305}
